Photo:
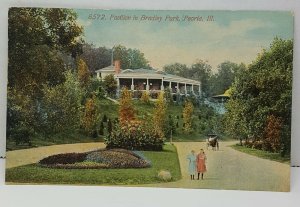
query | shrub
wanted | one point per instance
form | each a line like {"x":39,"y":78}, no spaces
{"x":257,"y":145}
{"x":145,"y":98}
{"x":134,"y":135}
{"x":91,"y":116}
{"x":22,"y":136}
{"x":164,"y":175}
{"x":104,"y":119}
{"x":109,"y":126}
{"x":101,"y":129}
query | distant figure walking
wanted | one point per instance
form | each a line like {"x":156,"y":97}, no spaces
{"x":192,"y":164}
{"x":201,"y":166}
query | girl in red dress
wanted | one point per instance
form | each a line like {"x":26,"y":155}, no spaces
{"x":201,"y":167}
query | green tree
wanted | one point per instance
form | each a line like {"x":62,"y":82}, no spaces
{"x":130,"y":58}
{"x":110,"y":84}
{"x":145,"y":98}
{"x":187,"y":116}
{"x":37,"y":38}
{"x":109,"y":126}
{"x":223,"y":79}
{"x":176,"y":69}
{"x":168,"y":96}
{"x":256,"y":93}
{"x":101,"y":129}
{"x":159,"y":115}
{"x":95,"y":87}
{"x":170,"y":127}
{"x":20,"y":113}
{"x":61,"y":106}
{"x":200,"y":71}
{"x":95,"y":57}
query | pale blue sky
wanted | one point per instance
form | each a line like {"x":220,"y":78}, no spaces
{"x":236,"y":36}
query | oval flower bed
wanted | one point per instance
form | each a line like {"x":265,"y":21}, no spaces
{"x":100,"y":159}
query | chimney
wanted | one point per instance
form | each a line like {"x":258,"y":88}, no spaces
{"x":117,"y":64}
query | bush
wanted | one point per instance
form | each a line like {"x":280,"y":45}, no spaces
{"x":114,"y":158}
{"x":134,"y":135}
{"x":104,"y":119}
{"x":257,"y":145}
{"x":164,"y":175}
{"x":22,"y":136}
{"x":101,"y":129}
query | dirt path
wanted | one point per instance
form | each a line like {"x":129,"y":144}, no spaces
{"x":231,"y":169}
{"x":28,"y":156}
{"x":227,"y":168}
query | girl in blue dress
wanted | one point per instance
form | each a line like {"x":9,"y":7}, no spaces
{"x":192,"y":164}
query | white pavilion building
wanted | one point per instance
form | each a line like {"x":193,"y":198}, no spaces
{"x":154,"y":81}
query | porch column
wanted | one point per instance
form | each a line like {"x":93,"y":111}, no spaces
{"x":147,"y":86}
{"x":162,"y":88}
{"x":192,"y":89}
{"x":185,"y":90}
{"x":132,"y":85}
{"x":170,"y":86}
{"x":178,"y":90}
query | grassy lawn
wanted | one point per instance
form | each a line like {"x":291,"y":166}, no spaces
{"x":111,"y":110}
{"x":262,"y":154}
{"x":164,"y":160}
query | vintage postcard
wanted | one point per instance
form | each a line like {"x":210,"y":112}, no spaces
{"x":168,"y":99}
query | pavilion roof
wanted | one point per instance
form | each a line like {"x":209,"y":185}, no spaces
{"x":143,"y":73}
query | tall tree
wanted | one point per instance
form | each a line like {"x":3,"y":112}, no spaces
{"x":95,"y":57}
{"x":37,"y":37}
{"x":61,"y":106}
{"x":159,"y":115}
{"x":187,"y":116}
{"x":130,"y":58}
{"x":256,"y":94}
{"x":110,"y":84}
{"x":200,"y":71}
{"x":176,"y":69}
{"x":223,"y":79}
{"x":83,"y":73}
{"x":91,"y":116}
{"x":126,"y":109}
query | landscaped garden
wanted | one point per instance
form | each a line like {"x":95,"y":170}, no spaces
{"x":165,"y":160}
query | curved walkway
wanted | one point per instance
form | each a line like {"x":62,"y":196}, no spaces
{"x":227,"y":168}
{"x":33,"y":155}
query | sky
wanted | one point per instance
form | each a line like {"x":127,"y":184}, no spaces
{"x":166,"y":37}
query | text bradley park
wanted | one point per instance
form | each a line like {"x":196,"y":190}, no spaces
{"x":151,"y":18}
